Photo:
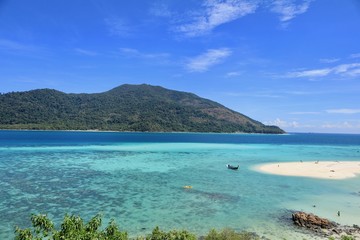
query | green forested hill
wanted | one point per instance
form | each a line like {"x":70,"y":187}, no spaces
{"x":125,"y":108}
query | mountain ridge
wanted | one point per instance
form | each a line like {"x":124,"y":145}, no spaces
{"x":143,"y":108}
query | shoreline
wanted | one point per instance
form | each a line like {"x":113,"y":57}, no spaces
{"x":332,"y":170}
{"x":114,"y":131}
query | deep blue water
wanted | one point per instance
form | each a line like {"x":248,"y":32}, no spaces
{"x":65,"y":138}
{"x":138,"y":179}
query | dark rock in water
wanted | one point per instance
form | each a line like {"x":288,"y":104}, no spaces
{"x":356,"y":193}
{"x":322,"y":226}
{"x":312,"y":221}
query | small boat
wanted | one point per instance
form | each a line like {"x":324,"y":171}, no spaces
{"x":232,"y":167}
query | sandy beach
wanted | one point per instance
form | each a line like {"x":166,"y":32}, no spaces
{"x":318,"y":169}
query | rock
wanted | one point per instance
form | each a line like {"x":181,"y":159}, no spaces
{"x":312,"y":221}
{"x":323,"y":227}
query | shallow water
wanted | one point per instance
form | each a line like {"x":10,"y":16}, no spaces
{"x":138,"y":179}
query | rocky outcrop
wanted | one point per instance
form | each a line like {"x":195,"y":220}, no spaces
{"x":311,"y":221}
{"x":324,"y":227}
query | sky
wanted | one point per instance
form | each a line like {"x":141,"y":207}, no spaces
{"x":290,"y":63}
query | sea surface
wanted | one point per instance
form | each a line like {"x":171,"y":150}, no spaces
{"x":138,"y":179}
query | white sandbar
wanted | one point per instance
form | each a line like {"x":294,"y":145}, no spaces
{"x":326,"y":169}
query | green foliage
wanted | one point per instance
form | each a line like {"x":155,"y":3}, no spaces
{"x":344,"y":237}
{"x":72,"y":228}
{"x":229,"y":234}
{"x":42,"y":224}
{"x":157,"y":234}
{"x":347,"y":237}
{"x":113,"y":233}
{"x":126,"y":108}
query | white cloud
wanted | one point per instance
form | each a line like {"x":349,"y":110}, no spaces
{"x":257,"y":95}
{"x":355,"y":55}
{"x":131,"y":52}
{"x":302,"y":93}
{"x":283,"y":124}
{"x":85,"y":52}
{"x":343,"y":111}
{"x":23,"y":49}
{"x":354,"y":73}
{"x":14,"y":46}
{"x":118,"y":27}
{"x":288,"y":9}
{"x":305,"y":113}
{"x":216,"y":12}
{"x":342,"y":125}
{"x":329,"y":60}
{"x":233,"y":74}
{"x":346,"y":126}
{"x":160,"y":10}
{"x":311,"y":73}
{"x":208,"y":59}
{"x":344,"y":68}
{"x":351,"y":69}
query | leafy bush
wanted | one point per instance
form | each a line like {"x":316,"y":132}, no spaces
{"x":157,"y":234}
{"x":229,"y":234}
{"x":346,"y":237}
{"x":72,"y":227}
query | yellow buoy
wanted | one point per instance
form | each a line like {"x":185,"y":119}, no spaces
{"x":187,"y":187}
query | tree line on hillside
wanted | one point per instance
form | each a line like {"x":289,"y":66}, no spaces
{"x":126,"y":108}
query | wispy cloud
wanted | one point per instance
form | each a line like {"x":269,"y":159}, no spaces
{"x":24,"y":49}
{"x":355,"y":55}
{"x":329,"y":60}
{"x":343,"y":111}
{"x":305,"y":113}
{"x":300,"y":93}
{"x":215,"y":13}
{"x":118,"y":27}
{"x":255,"y":94}
{"x":342,"y":125}
{"x":354,"y":72}
{"x":18,"y":48}
{"x":346,"y":126}
{"x":233,"y":74}
{"x":208,"y":59}
{"x":131,"y":52}
{"x":351,"y":69}
{"x":289,"y":9}
{"x":85,"y":52}
{"x":160,"y":10}
{"x":15,"y":46}
{"x":310,"y":73}
{"x":282,"y":123}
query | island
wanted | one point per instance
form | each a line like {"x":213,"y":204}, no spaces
{"x":140,"y":108}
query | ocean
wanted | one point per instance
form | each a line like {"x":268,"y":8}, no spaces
{"x":138,"y":179}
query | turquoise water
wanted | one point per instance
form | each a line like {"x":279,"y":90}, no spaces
{"x":138,"y":179}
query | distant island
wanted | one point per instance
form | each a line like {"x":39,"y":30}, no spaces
{"x":140,"y":108}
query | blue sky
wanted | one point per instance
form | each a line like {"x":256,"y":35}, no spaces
{"x":292,"y":63}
